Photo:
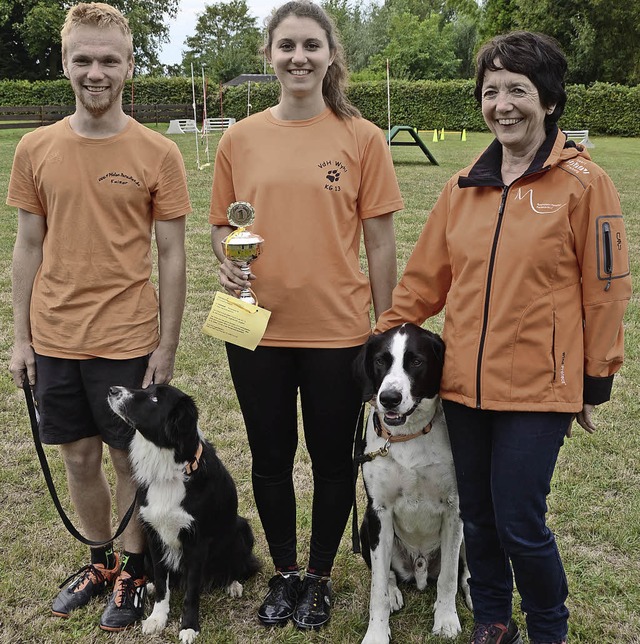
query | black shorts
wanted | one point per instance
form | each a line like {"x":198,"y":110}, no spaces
{"x":71,"y":397}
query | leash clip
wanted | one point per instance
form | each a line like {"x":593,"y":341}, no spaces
{"x":382,"y":451}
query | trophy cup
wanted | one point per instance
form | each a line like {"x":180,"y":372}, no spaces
{"x":242,"y":246}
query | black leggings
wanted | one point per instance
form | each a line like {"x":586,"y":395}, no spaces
{"x":267,"y":381}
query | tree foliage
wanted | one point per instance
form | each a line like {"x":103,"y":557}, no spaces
{"x":30,"y":34}
{"x":601,"y":39}
{"x":226,"y":43}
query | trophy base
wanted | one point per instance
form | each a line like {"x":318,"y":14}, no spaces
{"x":247,"y":296}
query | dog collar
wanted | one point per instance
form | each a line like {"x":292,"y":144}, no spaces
{"x":383,"y":432}
{"x":194,"y":463}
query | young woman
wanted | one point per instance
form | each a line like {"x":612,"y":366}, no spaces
{"x":318,"y":176}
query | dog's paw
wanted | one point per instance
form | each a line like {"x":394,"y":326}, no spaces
{"x":396,"y":601}
{"x":446,"y":624}
{"x":234,"y":589}
{"x":188,"y":636}
{"x":153,"y":624}
{"x":151,"y":589}
{"x":380,"y":635}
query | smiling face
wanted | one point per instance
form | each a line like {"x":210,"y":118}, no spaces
{"x":512,"y":110}
{"x":300,"y":55}
{"x":97,"y":61}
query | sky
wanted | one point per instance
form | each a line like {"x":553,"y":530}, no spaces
{"x":185,"y":24}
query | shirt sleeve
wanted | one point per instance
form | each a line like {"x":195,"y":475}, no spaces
{"x":171,"y":197}
{"x":22,"y":188}
{"x":222,"y":190}
{"x":379,"y":193}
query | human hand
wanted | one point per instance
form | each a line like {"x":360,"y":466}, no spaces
{"x":160,"y":368}
{"x":232,"y":278}
{"x":23,"y":362}
{"x":584,"y":419}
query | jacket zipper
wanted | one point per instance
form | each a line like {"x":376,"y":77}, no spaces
{"x":608,"y":253}
{"x":485,"y":317}
{"x":553,"y":347}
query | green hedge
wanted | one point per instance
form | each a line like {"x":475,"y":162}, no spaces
{"x":602,"y":108}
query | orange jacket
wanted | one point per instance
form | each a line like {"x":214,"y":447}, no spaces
{"x":535,"y":278}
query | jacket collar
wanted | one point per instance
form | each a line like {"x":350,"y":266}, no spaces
{"x":486,"y":170}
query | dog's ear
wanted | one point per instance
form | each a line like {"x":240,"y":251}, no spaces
{"x":438,"y":347}
{"x":363,"y":369}
{"x":182,"y":423}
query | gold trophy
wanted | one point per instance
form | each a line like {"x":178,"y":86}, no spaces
{"x":242,"y":246}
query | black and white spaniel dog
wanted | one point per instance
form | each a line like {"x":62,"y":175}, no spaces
{"x":412,"y":529}
{"x":188,"y":504}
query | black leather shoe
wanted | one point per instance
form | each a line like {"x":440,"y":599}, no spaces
{"x":280,"y":602}
{"x":314,"y":604}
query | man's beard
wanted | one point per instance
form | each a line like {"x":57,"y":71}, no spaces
{"x":100,"y":104}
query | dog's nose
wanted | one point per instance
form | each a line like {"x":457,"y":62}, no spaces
{"x":390,"y":398}
{"x":113,"y":391}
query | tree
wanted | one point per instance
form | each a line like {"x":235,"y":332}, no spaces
{"x":418,"y":49}
{"x":361,"y":31}
{"x":227,"y":42}
{"x":30,"y":30}
{"x":600,"y":39}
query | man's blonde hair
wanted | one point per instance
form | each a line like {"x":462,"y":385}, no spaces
{"x":94,"y":14}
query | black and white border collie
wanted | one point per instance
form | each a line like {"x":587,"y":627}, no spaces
{"x":188,"y":504}
{"x":412,"y":529}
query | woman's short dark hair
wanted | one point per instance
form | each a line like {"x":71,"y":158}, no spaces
{"x":536,"y":56}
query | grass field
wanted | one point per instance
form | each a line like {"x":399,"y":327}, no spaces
{"x":594,"y":508}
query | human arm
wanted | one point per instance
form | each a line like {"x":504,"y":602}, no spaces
{"x":423,"y":287}
{"x":27,"y":258}
{"x":172,"y":286}
{"x":380,"y":247}
{"x":603,"y":257}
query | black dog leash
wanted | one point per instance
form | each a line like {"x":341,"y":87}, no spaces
{"x":359,"y":457}
{"x":52,"y":490}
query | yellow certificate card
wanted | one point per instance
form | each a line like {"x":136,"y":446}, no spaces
{"x":235,"y":321}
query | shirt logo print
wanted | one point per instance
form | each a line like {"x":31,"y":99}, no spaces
{"x":333,"y":171}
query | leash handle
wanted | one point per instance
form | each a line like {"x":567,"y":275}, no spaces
{"x":28,"y":394}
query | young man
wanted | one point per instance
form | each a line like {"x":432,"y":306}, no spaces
{"x":89,"y":191}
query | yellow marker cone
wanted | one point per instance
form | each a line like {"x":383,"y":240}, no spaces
{"x":464,"y":135}
{"x":435,"y":136}
{"x":442,"y":134}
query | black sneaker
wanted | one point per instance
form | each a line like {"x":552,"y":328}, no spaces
{"x":496,"y":634}
{"x":126,"y":604}
{"x":280,"y":602}
{"x":314,"y":604}
{"x":88,"y":582}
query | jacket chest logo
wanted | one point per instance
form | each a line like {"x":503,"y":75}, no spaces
{"x":538,"y":207}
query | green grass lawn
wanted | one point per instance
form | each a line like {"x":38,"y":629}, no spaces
{"x":594,"y":507}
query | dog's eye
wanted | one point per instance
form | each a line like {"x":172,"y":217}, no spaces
{"x":379,"y":362}
{"x":416,"y":362}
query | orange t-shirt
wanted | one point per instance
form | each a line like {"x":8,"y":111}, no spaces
{"x":92,"y":296}
{"x":311,"y":183}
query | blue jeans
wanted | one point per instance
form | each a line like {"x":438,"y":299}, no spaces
{"x":504,"y":463}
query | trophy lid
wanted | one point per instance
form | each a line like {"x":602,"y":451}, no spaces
{"x":241,"y":214}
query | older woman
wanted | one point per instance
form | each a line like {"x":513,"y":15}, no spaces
{"x":527,"y":249}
